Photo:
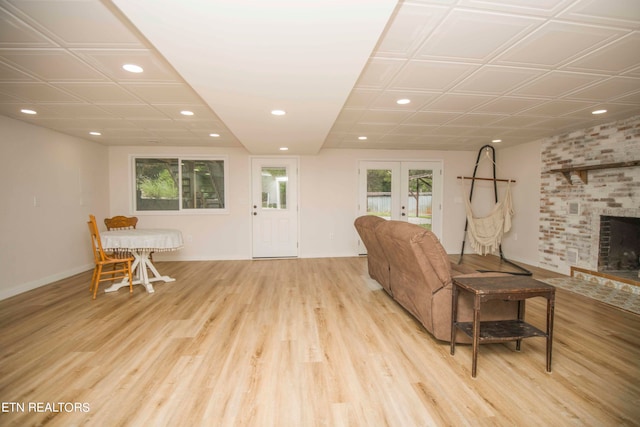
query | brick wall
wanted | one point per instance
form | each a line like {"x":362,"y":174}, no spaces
{"x":613,"y":192}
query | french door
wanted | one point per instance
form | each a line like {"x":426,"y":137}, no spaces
{"x":405,"y":191}
{"x":274,"y":189}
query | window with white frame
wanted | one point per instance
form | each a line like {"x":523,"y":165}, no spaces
{"x":180,"y":184}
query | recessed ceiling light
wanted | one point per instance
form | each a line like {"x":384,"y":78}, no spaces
{"x":214,"y":135}
{"x":599,"y":112}
{"x":403,"y":101}
{"x":495,"y":141}
{"x":278,"y":112}
{"x":362,"y":138}
{"x":284,"y":148}
{"x":94,"y":133}
{"x":186,"y":113}
{"x":132,"y":68}
{"x":27,"y":111}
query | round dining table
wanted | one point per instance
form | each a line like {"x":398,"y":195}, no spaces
{"x":141,"y":243}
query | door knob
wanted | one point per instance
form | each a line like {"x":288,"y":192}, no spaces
{"x":255,"y":213}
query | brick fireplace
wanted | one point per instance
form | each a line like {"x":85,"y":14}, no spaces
{"x":573,"y":205}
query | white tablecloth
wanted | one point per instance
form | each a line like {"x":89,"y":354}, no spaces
{"x":141,"y":242}
{"x":156,"y":240}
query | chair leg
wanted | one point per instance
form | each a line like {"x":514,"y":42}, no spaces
{"x":130,"y":276}
{"x":99,"y":273}
{"x":93,"y":278}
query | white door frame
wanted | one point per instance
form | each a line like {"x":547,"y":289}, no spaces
{"x":273,"y":222}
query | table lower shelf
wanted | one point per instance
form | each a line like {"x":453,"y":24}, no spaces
{"x":502,"y":330}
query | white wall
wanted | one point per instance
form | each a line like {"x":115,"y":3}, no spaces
{"x":523,"y":163}
{"x":67,"y":178}
{"x":328,"y":201}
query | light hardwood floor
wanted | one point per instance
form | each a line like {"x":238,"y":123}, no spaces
{"x":299,"y":342}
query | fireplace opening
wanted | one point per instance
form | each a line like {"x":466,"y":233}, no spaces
{"x":619,"y":253}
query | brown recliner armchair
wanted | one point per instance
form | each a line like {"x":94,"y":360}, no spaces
{"x":420,"y":279}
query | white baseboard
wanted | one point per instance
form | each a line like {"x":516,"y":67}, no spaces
{"x":24,"y":287}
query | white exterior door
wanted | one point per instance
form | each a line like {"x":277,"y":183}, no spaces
{"x":274,"y":207}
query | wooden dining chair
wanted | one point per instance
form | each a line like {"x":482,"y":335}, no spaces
{"x":120,"y":222}
{"x":121,"y":267}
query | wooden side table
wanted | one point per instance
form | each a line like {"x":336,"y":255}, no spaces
{"x":513,"y":288}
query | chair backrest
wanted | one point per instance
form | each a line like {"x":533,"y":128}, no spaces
{"x":121,"y":222}
{"x":96,"y":243}
{"x":376,"y":259}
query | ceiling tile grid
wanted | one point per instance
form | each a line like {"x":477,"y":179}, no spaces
{"x":473,"y":70}
{"x":64,"y":59}
{"x":511,"y":70}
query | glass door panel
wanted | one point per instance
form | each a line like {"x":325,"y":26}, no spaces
{"x":379,"y":185}
{"x":274,"y":187}
{"x":419,"y":197}
{"x":402,"y":190}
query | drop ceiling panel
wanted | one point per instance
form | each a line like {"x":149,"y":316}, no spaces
{"x":93,"y":22}
{"x":54,"y":64}
{"x":419,"y":129}
{"x":609,"y":89}
{"x":497,"y":80}
{"x":163,"y":93}
{"x":618,"y":57}
{"x":619,"y":13}
{"x":556,"y":43}
{"x":384,"y":117}
{"x":517,"y":121}
{"x":474,"y":36}
{"x":529,"y":7}
{"x":110,"y":63}
{"x":201,"y":112}
{"x":141,"y":111}
{"x":78,"y":111}
{"x":100,"y":93}
{"x":388,"y":100}
{"x":372,"y":129}
{"x":509,"y":105}
{"x":11,"y":74}
{"x":633,"y":99}
{"x":475,"y":120}
{"x":17,"y":34}
{"x":37,"y":92}
{"x":430,"y":118}
{"x":458,"y":103}
{"x":557,"y":83}
{"x":557,"y":108}
{"x":430,"y":75}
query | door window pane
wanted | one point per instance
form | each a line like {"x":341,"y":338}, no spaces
{"x":274,"y":187}
{"x":379,"y":192}
{"x":419,"y":202}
